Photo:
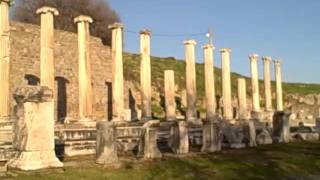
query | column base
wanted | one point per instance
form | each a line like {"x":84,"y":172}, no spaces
{"x":35,"y":160}
{"x":87,"y":122}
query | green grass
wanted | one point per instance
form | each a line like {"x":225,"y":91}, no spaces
{"x":264,"y":162}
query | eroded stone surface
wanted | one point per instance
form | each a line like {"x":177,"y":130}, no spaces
{"x":281,"y":127}
{"x":212,"y":136}
{"x":148,"y":147}
{"x":180,"y":138}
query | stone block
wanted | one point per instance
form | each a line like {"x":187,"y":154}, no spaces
{"x":106,"y":150}
{"x":211,"y":136}
{"x":281,"y":127}
{"x":180,"y":138}
{"x":264,"y":137}
{"x":148,"y":147}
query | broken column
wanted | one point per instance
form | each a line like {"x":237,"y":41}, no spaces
{"x":226,"y":84}
{"x":209,"y":82}
{"x":148,"y":145}
{"x":34,"y":129}
{"x":85,"y":86}
{"x":191,"y":114}
{"x":169,"y":93}
{"x":277,"y":67}
{"x":267,"y":82}
{"x":242,"y":96}
{"x":145,"y":74}
{"x":4,"y":60}
{"x":117,"y":72}
{"x":255,"y":84}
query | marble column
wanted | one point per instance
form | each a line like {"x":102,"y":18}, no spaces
{"x":4,"y":60}
{"x":145,"y":74}
{"x":277,"y":67}
{"x":209,"y":81}
{"x":255,"y":83}
{"x":169,"y":93}
{"x":117,"y":72}
{"x":85,"y":86}
{"x":47,"y":46}
{"x":242,"y":96}
{"x":191,"y":114}
{"x":267,"y":82}
{"x":226,"y":84}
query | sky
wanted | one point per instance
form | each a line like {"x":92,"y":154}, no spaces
{"x":283,"y":29}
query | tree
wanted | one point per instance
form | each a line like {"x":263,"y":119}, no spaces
{"x":100,"y":11}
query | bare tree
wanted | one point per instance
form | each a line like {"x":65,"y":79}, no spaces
{"x":99,"y":10}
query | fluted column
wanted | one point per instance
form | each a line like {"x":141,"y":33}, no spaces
{"x":267,"y":82}
{"x":209,"y":81}
{"x":278,"y":76}
{"x":191,"y":80}
{"x":169,"y":93}
{"x":226,"y":84}
{"x":242,"y":96}
{"x":47,"y":46}
{"x":117,"y":72}
{"x":85,"y":86}
{"x":255,"y":83}
{"x":4,"y":59}
{"x":145,"y":74}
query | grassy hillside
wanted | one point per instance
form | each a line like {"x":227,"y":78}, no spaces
{"x":132,"y":70}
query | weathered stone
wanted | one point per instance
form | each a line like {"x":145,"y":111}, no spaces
{"x":106,"y":150}
{"x":226,"y":84}
{"x":35,"y":117}
{"x":281,"y":127}
{"x":148,"y":147}
{"x":277,"y":67}
{"x":234,"y":134}
{"x":169,"y":93}
{"x":267,"y":82}
{"x":252,"y":134}
{"x":264,"y":137}
{"x":180,"y":138}
{"x":211,"y":137}
{"x":255,"y":83}
{"x":242,"y":96}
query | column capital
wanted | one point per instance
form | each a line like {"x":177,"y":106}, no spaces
{"x":191,"y":42}
{"x":116,"y":25}
{"x":223,"y":50}
{"x":83,"y":18}
{"x":145,"y":32}
{"x":9,"y":2}
{"x":253,"y":56}
{"x":266,"y":59}
{"x":47,"y":9}
{"x":208,"y":46}
{"x":277,"y":61}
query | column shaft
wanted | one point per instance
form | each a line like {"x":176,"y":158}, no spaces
{"x":117,"y":73}
{"x":209,"y":82}
{"x":226,"y":84}
{"x":255,"y":83}
{"x":145,"y":74}
{"x":242,"y":96}
{"x":277,"y":67}
{"x":267,"y":83}
{"x":4,"y":59}
{"x":191,"y":114}
{"x":169,"y":92}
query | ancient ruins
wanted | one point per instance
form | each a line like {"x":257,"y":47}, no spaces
{"x":78,"y":105}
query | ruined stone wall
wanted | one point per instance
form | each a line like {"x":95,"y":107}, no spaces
{"x":25,"y":68}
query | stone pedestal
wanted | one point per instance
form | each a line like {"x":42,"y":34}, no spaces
{"x":106,"y":150}
{"x":264,"y":137}
{"x":4,"y":60}
{"x":267,"y":83}
{"x":180,"y":138}
{"x":277,"y":67}
{"x":169,"y":93}
{"x":34,"y":129}
{"x":234,"y":134}
{"x":252,"y":134}
{"x":145,"y":74}
{"x":281,"y":127}
{"x":148,"y":147}
{"x":117,"y":72}
{"x":226,"y":84}
{"x":209,"y":82}
{"x":255,"y":84}
{"x":211,"y":136}
{"x":85,"y":82}
{"x":191,"y":113}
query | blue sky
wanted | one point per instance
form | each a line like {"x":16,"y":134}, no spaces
{"x":286,"y":29}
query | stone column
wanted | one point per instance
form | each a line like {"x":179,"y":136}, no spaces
{"x":169,"y":93}
{"x":209,"y":81}
{"x":117,"y":73}
{"x":242,"y":96}
{"x":145,"y":74}
{"x":4,"y":60}
{"x":85,"y":86}
{"x":277,"y":67}
{"x":191,"y":114}
{"x":267,"y":82}
{"x":47,"y":45}
{"x":255,"y":83}
{"x":226,"y":84}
